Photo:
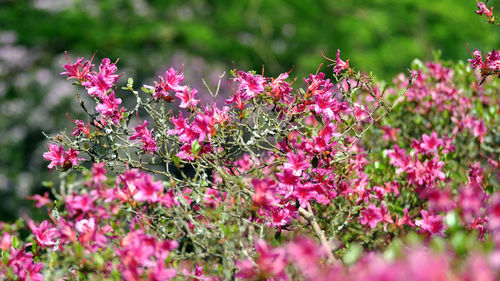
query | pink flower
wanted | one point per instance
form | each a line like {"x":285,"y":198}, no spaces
{"x":170,"y":83}
{"x":249,"y":85}
{"x":371,"y":216}
{"x":390,"y":133}
{"x":306,"y":254}
{"x":23,"y":266}
{"x":161,"y":273}
{"x":45,"y":234}
{"x":264,"y":192}
{"x":297,"y":163}
{"x":326,"y":105}
{"x":76,"y":204}
{"x":71,"y":157}
{"x":5,"y":241}
{"x":98,"y":173}
{"x":146,"y":136}
{"x":405,"y":219}
{"x":490,"y":65}
{"x":270,"y":264}
{"x":80,"y":129}
{"x":431,"y":224}
{"x":86,"y":225}
{"x":479,"y":130}
{"x":109,"y":107}
{"x":98,"y":84}
{"x":483,"y":10}
{"x":77,"y":70}
{"x":494,"y":212}
{"x":339,"y":64}
{"x":187,"y":97}
{"x":55,"y":155}
{"x":147,"y":189}
{"x":40,"y":200}
{"x":431,"y":143}
{"x":61,"y":158}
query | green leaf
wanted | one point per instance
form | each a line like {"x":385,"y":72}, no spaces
{"x":78,"y":248}
{"x":176,"y":159}
{"x":130,"y":82}
{"x":195,"y":147}
{"x":47,"y":184}
{"x":34,"y":247}
{"x":15,"y":242}
{"x":5,"y":257}
{"x":98,"y":259}
{"x":452,"y":219}
{"x":353,"y":253}
{"x":417,"y":64}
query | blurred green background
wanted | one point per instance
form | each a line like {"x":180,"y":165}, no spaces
{"x":208,"y":37}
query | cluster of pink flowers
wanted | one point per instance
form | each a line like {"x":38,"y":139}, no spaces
{"x":171,"y":83}
{"x":98,"y":85}
{"x":490,"y":65}
{"x":58,"y":157}
{"x":140,"y":186}
{"x":141,"y":254}
{"x":483,"y":10}
{"x":146,"y":136}
{"x":199,"y":131}
{"x":279,"y":162}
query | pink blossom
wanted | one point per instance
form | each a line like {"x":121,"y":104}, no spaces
{"x":270,"y":263}
{"x":431,"y":144}
{"x":477,"y":60}
{"x":40,"y":200}
{"x":55,"y":155}
{"x":147,"y":189}
{"x":371,"y":216}
{"x":431,"y":224}
{"x":297,"y":163}
{"x":264,"y":192}
{"x":390,"y":133}
{"x":86,"y":225}
{"x":494,"y":212}
{"x":110,"y":107}
{"x":170,"y":83}
{"x":479,"y":130}
{"x":405,"y":219}
{"x":306,"y":254}
{"x":71,"y":157}
{"x":98,"y":173}
{"x":5,"y":241}
{"x":304,"y":193}
{"x":146,"y":136}
{"x":249,"y":85}
{"x":280,"y":89}
{"x":339,"y":64}
{"x":471,"y":198}
{"x":483,"y":10}
{"x":98,"y":84}
{"x":23,"y":265}
{"x":45,"y":233}
{"x":162,"y":273}
{"x":76,"y":204}
{"x":77,"y":70}
{"x":61,"y":158}
{"x":187,"y":97}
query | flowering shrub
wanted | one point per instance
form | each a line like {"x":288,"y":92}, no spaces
{"x":335,"y":178}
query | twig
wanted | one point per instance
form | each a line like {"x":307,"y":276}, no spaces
{"x":309,"y":215}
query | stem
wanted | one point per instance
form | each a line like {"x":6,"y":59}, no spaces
{"x":309,"y":215}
